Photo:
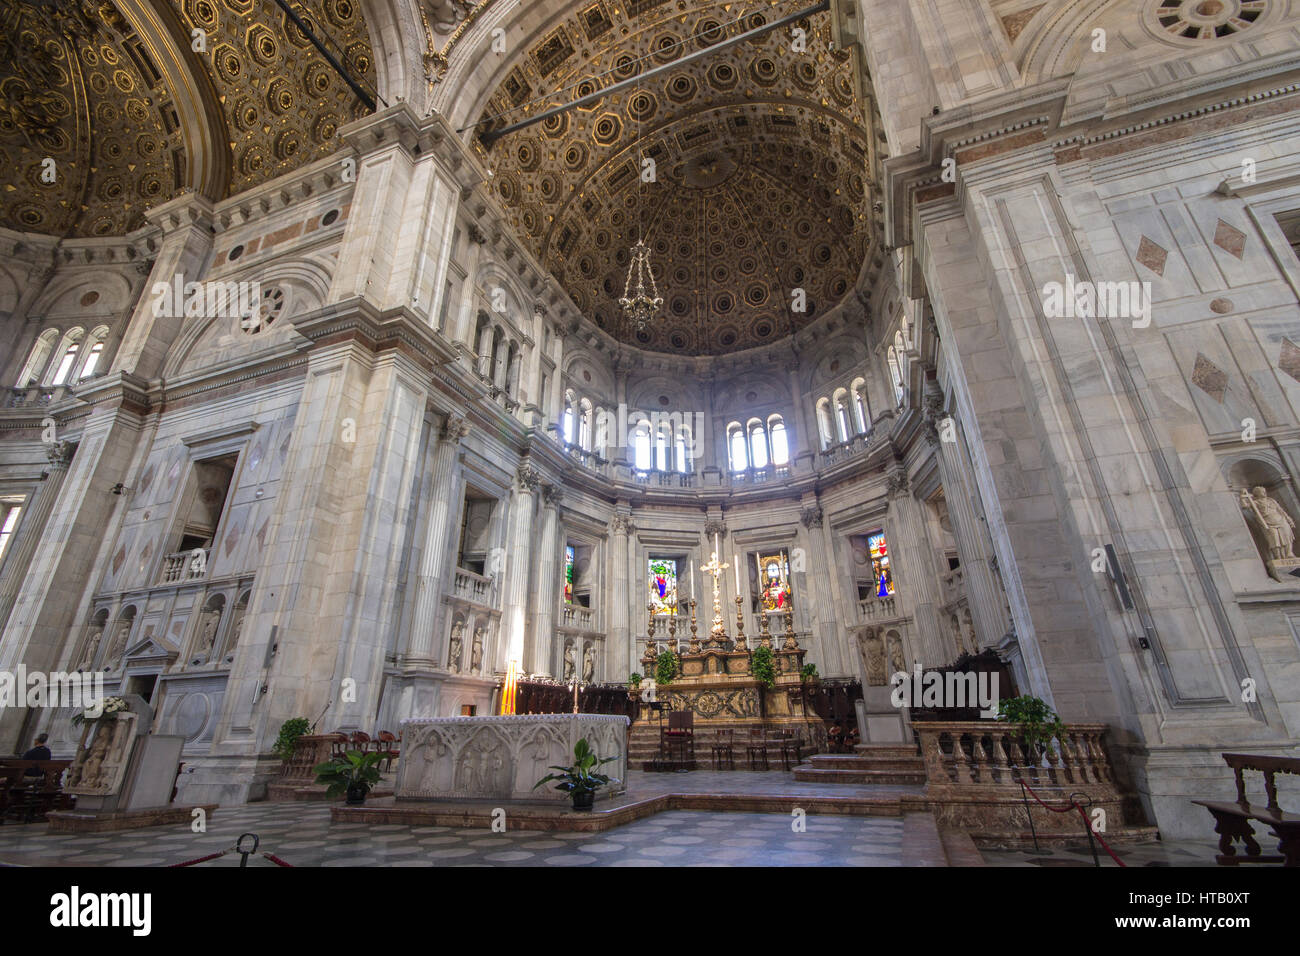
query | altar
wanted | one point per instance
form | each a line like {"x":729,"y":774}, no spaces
{"x":500,"y":758}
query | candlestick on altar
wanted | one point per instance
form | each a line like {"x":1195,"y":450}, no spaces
{"x":575,"y":696}
{"x":791,"y":644}
{"x":694,"y":646}
{"x":740,"y":627}
{"x":765,"y":636}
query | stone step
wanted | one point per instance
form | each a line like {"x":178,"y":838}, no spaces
{"x":908,"y":762}
{"x":807,"y":773}
{"x":887,"y":750}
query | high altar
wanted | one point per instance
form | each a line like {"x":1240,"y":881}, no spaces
{"x":715,"y":680}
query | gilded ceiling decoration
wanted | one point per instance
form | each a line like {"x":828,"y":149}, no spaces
{"x":80,"y":86}
{"x":760,"y":157}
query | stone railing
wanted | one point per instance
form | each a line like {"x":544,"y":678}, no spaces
{"x":34,"y":396}
{"x":663,"y":479}
{"x":878,"y":608}
{"x":186,"y":566}
{"x":578,"y":617}
{"x":473,"y":587}
{"x":962,"y":755}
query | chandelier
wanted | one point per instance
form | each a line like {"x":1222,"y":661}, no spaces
{"x":641,"y":307}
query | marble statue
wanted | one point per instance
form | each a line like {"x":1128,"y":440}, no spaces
{"x":476,"y":652}
{"x":897,"y":662}
{"x":118,"y":647}
{"x":568,"y":661}
{"x":873,"y":659}
{"x":208,"y":636}
{"x":588,"y":664}
{"x":1272,"y":520}
{"x":88,"y":655}
{"x":453,"y":655}
{"x":236,"y":632}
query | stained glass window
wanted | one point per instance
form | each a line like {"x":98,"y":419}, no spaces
{"x":663,"y":586}
{"x":879,"y":552}
{"x":568,"y":574}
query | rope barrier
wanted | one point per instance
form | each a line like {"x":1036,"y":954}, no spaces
{"x":1074,"y":805}
{"x":245,"y":854}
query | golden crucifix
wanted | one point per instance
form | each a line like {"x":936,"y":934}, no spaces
{"x":717,"y":633}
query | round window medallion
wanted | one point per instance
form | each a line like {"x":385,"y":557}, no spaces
{"x":751,"y":396}
{"x":90,"y":298}
{"x":330,"y":218}
{"x":664,"y":400}
{"x":262,"y":313}
{"x":235,"y":253}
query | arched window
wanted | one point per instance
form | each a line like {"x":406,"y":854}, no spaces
{"x":896,"y":375}
{"x":663,"y":447}
{"x":841,"y":399}
{"x":861,"y":413}
{"x":641,"y":447}
{"x":584,"y":425}
{"x":683,"y":443}
{"x":94,"y":352}
{"x":906,"y":330}
{"x":757,"y":444}
{"x":39,"y":358}
{"x":824,"y":428}
{"x":66,"y":357}
{"x":780,"y":444}
{"x":738,"y":453}
{"x":567,"y":422}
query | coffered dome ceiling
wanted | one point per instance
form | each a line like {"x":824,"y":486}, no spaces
{"x":761,"y":158}
{"x":132,"y":115}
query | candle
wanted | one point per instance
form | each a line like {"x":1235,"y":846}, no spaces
{"x":735,"y":559}
{"x":716,"y":549}
{"x":690,"y":574}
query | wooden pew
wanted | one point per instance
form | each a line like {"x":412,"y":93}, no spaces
{"x":1232,"y":821}
{"x":30,"y":798}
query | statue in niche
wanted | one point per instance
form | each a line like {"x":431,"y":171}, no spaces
{"x":118,"y":647}
{"x":208,"y":634}
{"x":872,"y":652}
{"x":476,"y":652}
{"x":896,"y":660}
{"x":568,"y":661}
{"x":588,"y":664}
{"x":453,"y":654}
{"x":235,"y":633}
{"x":88,"y":655}
{"x":1277,"y":527}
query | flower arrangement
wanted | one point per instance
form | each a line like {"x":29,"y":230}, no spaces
{"x":108,"y":708}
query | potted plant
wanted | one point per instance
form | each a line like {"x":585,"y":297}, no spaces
{"x":353,"y":773}
{"x":580,"y":781}
{"x":290,"y":731}
{"x":665,"y":667}
{"x":1038,"y":723}
{"x":634,"y":686}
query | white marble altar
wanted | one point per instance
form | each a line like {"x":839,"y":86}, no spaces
{"x":500,"y":758}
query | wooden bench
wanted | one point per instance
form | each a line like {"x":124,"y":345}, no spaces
{"x":1232,"y":821}
{"x":31,"y":797}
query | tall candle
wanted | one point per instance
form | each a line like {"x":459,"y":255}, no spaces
{"x":716,"y":550}
{"x":735,"y":559}
{"x":690,"y":574}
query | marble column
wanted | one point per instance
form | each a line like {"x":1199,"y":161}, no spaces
{"x":818,"y":594}
{"x":36,"y":511}
{"x":621,"y":644}
{"x":915,"y":581}
{"x":425,"y":649}
{"x":511,"y":645}
{"x":537,"y":652}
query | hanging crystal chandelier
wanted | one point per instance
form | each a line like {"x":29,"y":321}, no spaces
{"x":641,"y":307}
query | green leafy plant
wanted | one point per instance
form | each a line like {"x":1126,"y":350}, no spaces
{"x":290,"y":731}
{"x":350,"y":769}
{"x":1038,"y":722}
{"x":582,"y":776}
{"x":665,"y":667}
{"x":634,"y":681}
{"x":762,"y":665}
{"x":808,"y":672}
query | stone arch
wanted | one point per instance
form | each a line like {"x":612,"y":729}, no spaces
{"x":397,"y":42}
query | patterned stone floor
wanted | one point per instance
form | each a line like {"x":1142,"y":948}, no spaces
{"x":302,"y":834}
{"x":1157,"y":853}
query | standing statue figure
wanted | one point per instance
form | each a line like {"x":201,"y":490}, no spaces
{"x":476,"y":652}
{"x":235,"y":633}
{"x":212,"y":617}
{"x":453,"y":653}
{"x":118,"y":647}
{"x":1273,"y":521}
{"x":568,"y":661}
{"x":588,"y":664}
{"x":896,"y":659}
{"x":872,"y":653}
{"x":88,"y":656}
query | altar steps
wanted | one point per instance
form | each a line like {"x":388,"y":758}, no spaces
{"x":869,"y":763}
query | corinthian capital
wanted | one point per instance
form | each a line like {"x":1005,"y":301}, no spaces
{"x":59,"y":453}
{"x":454,"y":428}
{"x":529,"y":478}
{"x":553,"y":494}
{"x":811,"y":516}
{"x":621,"y":524}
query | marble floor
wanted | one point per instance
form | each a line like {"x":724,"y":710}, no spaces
{"x":303,"y":835}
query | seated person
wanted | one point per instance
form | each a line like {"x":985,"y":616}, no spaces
{"x":39,"y":752}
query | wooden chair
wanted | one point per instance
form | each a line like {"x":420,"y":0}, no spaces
{"x":361,"y":741}
{"x":1232,"y":821}
{"x":791,"y":747}
{"x":679,"y":737}
{"x":724,"y":749}
{"x":340,"y":745}
{"x":387,"y":745}
{"x":756,"y":749}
